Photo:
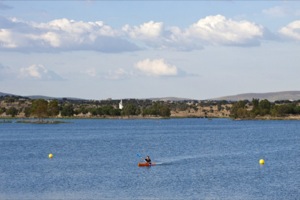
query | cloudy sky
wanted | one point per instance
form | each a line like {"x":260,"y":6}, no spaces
{"x":142,"y":49}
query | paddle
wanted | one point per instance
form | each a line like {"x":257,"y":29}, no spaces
{"x":139,"y":155}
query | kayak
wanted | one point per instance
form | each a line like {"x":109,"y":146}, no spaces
{"x":145,"y":164}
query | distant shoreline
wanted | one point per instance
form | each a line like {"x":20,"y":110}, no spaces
{"x":58,"y":120}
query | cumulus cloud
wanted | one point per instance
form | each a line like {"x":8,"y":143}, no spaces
{"x":148,"y":30}
{"x":211,"y":30}
{"x":222,"y":31}
{"x":156,"y":67}
{"x":292,"y":30}
{"x":39,"y":72}
{"x":63,"y":34}
{"x":69,"y":35}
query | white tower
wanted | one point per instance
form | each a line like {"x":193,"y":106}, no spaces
{"x":121,"y":105}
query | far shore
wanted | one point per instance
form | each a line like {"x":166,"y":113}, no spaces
{"x":57,"y":120}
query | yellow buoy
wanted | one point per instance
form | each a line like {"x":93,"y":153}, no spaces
{"x":50,"y":155}
{"x":261,"y":162}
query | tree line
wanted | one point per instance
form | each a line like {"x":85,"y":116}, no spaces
{"x":260,"y":108}
{"x":41,"y":108}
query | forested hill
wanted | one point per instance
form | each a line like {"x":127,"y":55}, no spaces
{"x":270,"y":96}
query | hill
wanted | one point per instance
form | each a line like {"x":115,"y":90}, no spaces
{"x":5,"y":94}
{"x":38,"y":97}
{"x":271,"y":96}
{"x":171,"y":99}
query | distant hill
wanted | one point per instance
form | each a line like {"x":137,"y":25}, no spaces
{"x":271,"y":96}
{"x":170,"y":99}
{"x":5,"y":94}
{"x":38,"y":96}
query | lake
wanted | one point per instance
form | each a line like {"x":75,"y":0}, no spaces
{"x":196,"y":159}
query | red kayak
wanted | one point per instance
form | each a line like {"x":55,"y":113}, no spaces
{"x":145,"y":164}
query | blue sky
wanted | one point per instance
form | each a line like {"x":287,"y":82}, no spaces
{"x":144,"y":49}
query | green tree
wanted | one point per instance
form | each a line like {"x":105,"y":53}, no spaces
{"x":67,"y":110}
{"x":107,"y":110}
{"x":39,"y":108}
{"x":83,"y":110}
{"x":94,"y":111}
{"x":255,"y":110}
{"x":2,"y":110}
{"x":264,"y":107}
{"x":53,"y":108}
{"x":297,"y":110}
{"x":130,"y":109}
{"x":238,"y":110}
{"x":27,"y":111}
{"x":115,"y":112}
{"x":12,"y":111}
{"x":164,"y":111}
{"x":157,"y":109}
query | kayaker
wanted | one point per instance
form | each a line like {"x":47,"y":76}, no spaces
{"x":148,"y":160}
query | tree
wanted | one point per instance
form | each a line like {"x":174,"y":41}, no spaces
{"x":115,"y":112}
{"x":130,"y":109}
{"x":157,"y":109}
{"x":264,"y":107}
{"x":27,"y":111}
{"x":165,"y":111}
{"x":39,"y":108}
{"x":53,"y":109}
{"x":12,"y":111}
{"x":2,"y":110}
{"x":67,"y":110}
{"x":255,"y":109}
{"x":238,"y":110}
{"x":297,"y":110}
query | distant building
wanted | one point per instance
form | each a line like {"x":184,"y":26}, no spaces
{"x":121,"y":105}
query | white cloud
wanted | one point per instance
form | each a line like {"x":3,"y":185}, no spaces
{"x":51,"y":38}
{"x":292,"y":30}
{"x":38,"y":72}
{"x":149,"y":30}
{"x":63,"y":34}
{"x":219,"y":30}
{"x":6,"y":39}
{"x":156,"y":67}
{"x":69,"y":35}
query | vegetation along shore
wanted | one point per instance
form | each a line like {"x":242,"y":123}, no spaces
{"x":24,"y":107}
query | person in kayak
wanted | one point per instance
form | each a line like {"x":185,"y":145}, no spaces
{"x":148,"y":160}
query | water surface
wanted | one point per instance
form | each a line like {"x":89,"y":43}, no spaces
{"x":197,"y":159}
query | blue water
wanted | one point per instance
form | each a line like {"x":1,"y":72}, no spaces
{"x":196,"y":159}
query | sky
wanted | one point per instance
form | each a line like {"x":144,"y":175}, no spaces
{"x":145,"y":49}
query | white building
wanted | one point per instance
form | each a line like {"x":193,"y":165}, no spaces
{"x":121,"y":105}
